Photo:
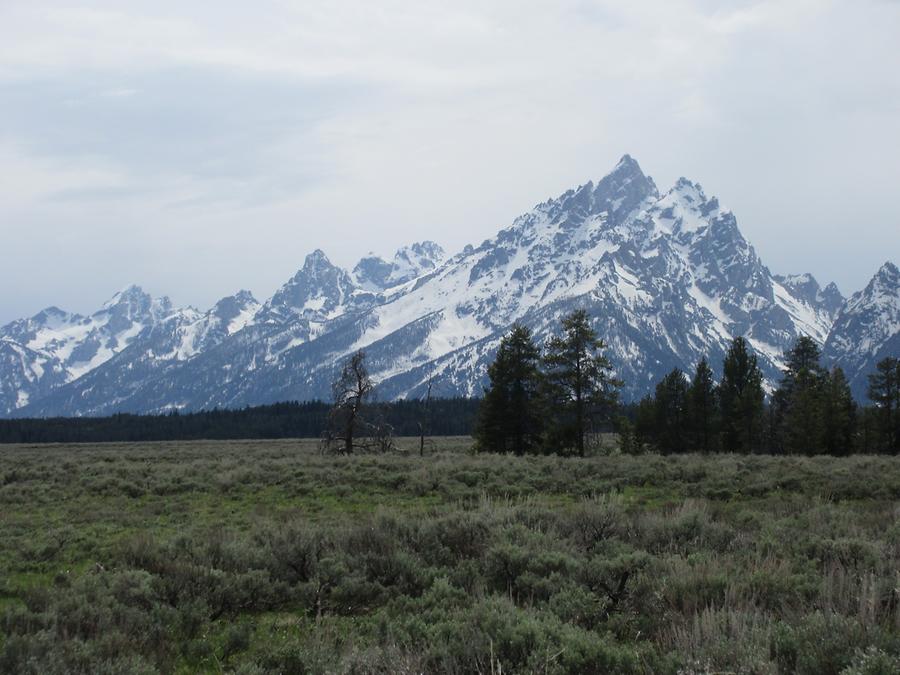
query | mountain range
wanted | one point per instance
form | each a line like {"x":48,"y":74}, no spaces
{"x":667,"y":278}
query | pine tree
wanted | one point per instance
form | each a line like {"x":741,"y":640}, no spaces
{"x":509,"y":418}
{"x":703,"y":409}
{"x":579,"y":381}
{"x":645,"y":423}
{"x":798,"y":404}
{"x":741,"y":398}
{"x":839,"y":414}
{"x":884,"y":391}
{"x":671,"y":413}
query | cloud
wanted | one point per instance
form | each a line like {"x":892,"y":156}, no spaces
{"x":211,"y":145}
{"x":160,"y":127}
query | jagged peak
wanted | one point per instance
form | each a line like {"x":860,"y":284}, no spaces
{"x":245,"y":297}
{"x":128,"y":294}
{"x":133,"y":302}
{"x":803,"y":279}
{"x":888,"y":272}
{"x":886,"y":281}
{"x":51,"y":312}
{"x":625,"y":171}
{"x":425,"y":246}
{"x":316,"y":259}
{"x":427,"y":251}
{"x":314,"y":265}
{"x":883,"y":289}
{"x":242,"y":298}
{"x":628,"y":163}
{"x":374,"y":273}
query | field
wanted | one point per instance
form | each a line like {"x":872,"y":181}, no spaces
{"x":268,"y":557}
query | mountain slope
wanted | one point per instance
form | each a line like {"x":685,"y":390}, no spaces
{"x":55,"y":347}
{"x":867,"y":329}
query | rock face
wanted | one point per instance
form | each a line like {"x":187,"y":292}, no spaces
{"x":667,"y":278}
{"x":374,"y":273}
{"x":867,"y":329}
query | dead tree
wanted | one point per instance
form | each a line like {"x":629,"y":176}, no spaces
{"x":351,"y":391}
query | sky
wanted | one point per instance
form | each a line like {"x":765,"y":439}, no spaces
{"x":200,"y":148}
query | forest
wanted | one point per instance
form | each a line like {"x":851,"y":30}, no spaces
{"x":292,"y":419}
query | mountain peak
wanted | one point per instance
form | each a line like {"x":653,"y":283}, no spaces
{"x":374,"y":273}
{"x":51,"y":312}
{"x":867,"y":328}
{"x":626,"y":185}
{"x":236,"y":311}
{"x":422,"y":255}
{"x":241,"y":299}
{"x":426,"y":248}
{"x":316,"y":259}
{"x":628,"y":163}
{"x":888,"y":273}
{"x":128,"y":295}
{"x":614,"y":197}
{"x":244,"y":296}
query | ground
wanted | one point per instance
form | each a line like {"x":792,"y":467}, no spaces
{"x":267,"y":556}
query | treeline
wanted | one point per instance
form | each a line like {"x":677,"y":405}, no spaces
{"x":811,"y":412}
{"x":559,"y":399}
{"x":440,"y":416}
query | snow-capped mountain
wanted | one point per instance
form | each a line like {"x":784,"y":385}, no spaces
{"x":805,"y":287}
{"x":374,"y":273}
{"x":867,"y":329}
{"x":54,"y":347}
{"x":667,"y":278}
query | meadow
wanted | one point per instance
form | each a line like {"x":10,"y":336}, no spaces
{"x":269,"y":557}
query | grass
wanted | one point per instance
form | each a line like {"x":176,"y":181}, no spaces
{"x":266,"y":556}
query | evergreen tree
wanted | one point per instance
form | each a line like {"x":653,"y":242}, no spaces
{"x":645,"y":423}
{"x":867,"y":438}
{"x":799,"y":402}
{"x":671,"y":413}
{"x":627,"y":439}
{"x":703,"y":409}
{"x":884,"y":391}
{"x":509,"y":418}
{"x":839,"y":414}
{"x":741,"y":398}
{"x":579,"y":381}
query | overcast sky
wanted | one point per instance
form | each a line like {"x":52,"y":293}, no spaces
{"x":196,"y":148}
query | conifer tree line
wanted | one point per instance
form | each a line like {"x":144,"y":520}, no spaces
{"x":557,"y":398}
{"x":811,"y":412}
{"x":550,"y":400}
{"x":291,"y":419}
